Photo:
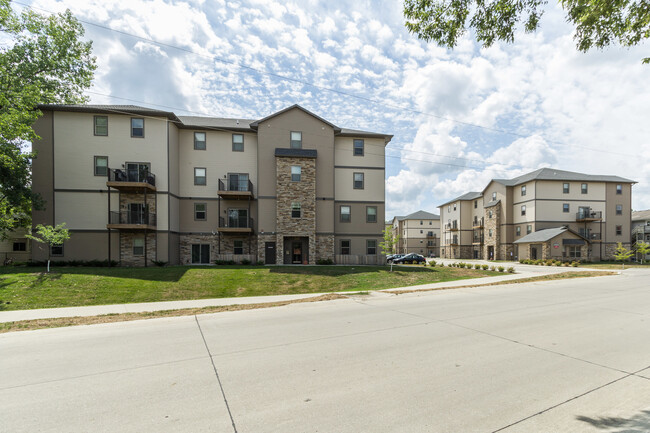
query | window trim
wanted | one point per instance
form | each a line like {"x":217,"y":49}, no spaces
{"x":293,"y":208}
{"x":523,"y":210}
{"x":584,"y":188}
{"x":619,"y":188}
{"x":354,"y":147}
{"x":291,"y":140}
{"x":235,"y":247}
{"x":95,"y":165}
{"x":205,"y":140}
{"x":349,"y":214}
{"x":619,"y":209}
{"x":619,"y":230}
{"x":52,"y":254}
{"x":529,"y":229}
{"x":566,"y":190}
{"x":523,"y":190}
{"x":354,"y":180}
{"x":205,"y":211}
{"x":367,"y":214}
{"x":518,"y":231}
{"x":368,"y":253}
{"x":299,"y":174}
{"x":137,"y":136}
{"x":134,"y":246}
{"x":242,"y":143}
{"x":349,"y":247}
{"x":566,"y":207}
{"x":19,"y":242}
{"x":95,"y":126}
{"x":205,"y":183}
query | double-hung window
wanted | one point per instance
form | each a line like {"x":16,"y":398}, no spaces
{"x":345,"y":247}
{"x":200,"y":211}
{"x":619,"y":209}
{"x":345,"y":214}
{"x":371,"y":214}
{"x":619,"y":188}
{"x":199,"y":141}
{"x":523,"y":190}
{"x":101,"y":165}
{"x":238,"y":247}
{"x":523,"y":209}
{"x":137,"y":127}
{"x":100,"y":125}
{"x":296,"y":172}
{"x":200,"y":177}
{"x":371,"y":247}
{"x":584,"y":188}
{"x":565,"y":207}
{"x":138,"y":246}
{"x":565,"y":188}
{"x":296,"y":140}
{"x":358,"y":147}
{"x":295,"y":210}
{"x":358,"y":180}
{"x":238,"y":142}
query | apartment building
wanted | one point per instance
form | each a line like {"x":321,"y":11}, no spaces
{"x":16,"y":247}
{"x":135,"y":184}
{"x":591,"y":213}
{"x":641,"y":230}
{"x":418,"y":233}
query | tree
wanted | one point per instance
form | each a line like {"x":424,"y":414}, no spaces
{"x":42,"y":61}
{"x":643,"y":248}
{"x":598,"y":23}
{"x":52,"y":236}
{"x":622,"y":254}
{"x":388,"y":244}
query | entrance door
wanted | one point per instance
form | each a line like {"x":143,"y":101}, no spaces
{"x":533,"y":253}
{"x":269,"y":253}
{"x":490,"y":251}
{"x":296,"y":252}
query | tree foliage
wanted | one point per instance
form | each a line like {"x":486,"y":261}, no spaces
{"x":598,"y":23}
{"x":622,"y":254}
{"x":643,"y":248}
{"x":51,"y":236}
{"x":388,"y":244}
{"x":42,"y":61}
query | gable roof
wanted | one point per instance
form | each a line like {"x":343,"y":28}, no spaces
{"x":641,"y":215}
{"x":256,"y":123}
{"x":199,"y":122}
{"x":472,"y":195}
{"x":109,"y":109}
{"x":421,"y":215}
{"x":546,"y":235}
{"x":554,"y":174}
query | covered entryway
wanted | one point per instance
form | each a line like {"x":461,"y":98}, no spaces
{"x":296,"y":250}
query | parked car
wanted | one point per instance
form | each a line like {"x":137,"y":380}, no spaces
{"x":410,"y":258}
{"x":392,"y":257}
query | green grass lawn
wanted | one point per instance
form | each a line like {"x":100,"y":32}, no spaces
{"x":28,"y":288}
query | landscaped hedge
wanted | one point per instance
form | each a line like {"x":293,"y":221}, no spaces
{"x":549,"y":262}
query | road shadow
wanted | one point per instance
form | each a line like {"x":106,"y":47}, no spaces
{"x":639,"y":423}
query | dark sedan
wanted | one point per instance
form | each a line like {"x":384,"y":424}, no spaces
{"x":410,"y":258}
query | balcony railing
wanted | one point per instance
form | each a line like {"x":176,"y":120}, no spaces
{"x":135,"y":176}
{"x":477,"y":240}
{"x":236,"y":224}
{"x":431,"y":235}
{"x":478,"y":222}
{"x":452,"y":226}
{"x":236,"y":185}
{"x":589,"y":215}
{"x":134,"y":218}
{"x":594,"y":236}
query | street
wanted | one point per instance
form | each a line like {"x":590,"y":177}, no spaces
{"x":565,"y":355}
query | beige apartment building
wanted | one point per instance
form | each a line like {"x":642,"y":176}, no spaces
{"x":641,"y":231}
{"x":591,"y":213}
{"x":135,"y":184}
{"x":418,"y":233}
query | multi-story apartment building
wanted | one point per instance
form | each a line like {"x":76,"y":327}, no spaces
{"x":16,"y":247}
{"x":135,"y":184}
{"x":594,"y":211}
{"x":418,"y":232}
{"x":641,"y":230}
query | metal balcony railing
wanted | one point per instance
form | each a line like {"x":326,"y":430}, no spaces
{"x":589,"y":215}
{"x":478,"y":222}
{"x":236,"y":222}
{"x":133,"y":217}
{"x":236,"y":185}
{"x":123,"y":175}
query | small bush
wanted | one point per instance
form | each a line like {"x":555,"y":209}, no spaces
{"x":160,"y":263}
{"x":485,"y":267}
{"x":477,"y":266}
{"x":246,"y":261}
{"x":461,"y":265}
{"x":324,"y":262}
{"x":575,"y":264}
{"x":260,"y":263}
{"x":501,"y":268}
{"x":432,"y":263}
{"x":511,"y":270}
{"x":493,"y":268}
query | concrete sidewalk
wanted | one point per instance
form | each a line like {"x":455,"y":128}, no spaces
{"x":523,"y":271}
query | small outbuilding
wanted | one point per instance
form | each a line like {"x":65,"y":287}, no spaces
{"x":559,"y":243}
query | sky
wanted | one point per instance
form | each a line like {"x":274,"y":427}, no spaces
{"x":459,"y":117}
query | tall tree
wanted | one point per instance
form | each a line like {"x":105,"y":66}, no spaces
{"x":598,"y":23}
{"x":43,"y":60}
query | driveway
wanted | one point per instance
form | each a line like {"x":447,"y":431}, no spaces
{"x":548,"y":356}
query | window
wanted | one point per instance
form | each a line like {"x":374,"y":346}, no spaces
{"x":296,"y":140}
{"x":619,"y":230}
{"x":200,"y":211}
{"x":619,"y":209}
{"x":565,"y":188}
{"x":490,"y":232}
{"x":345,"y":247}
{"x":489,"y":214}
{"x":138,"y":172}
{"x":565,"y":207}
{"x":454,"y":206}
{"x":494,"y":196}
{"x":371,"y":247}
{"x":573,"y":251}
{"x":371,"y":214}
{"x":529,"y":229}
{"x":238,"y":182}
{"x":238,"y":247}
{"x":101,"y":125}
{"x":56,"y":250}
{"x":138,"y":246}
{"x":421,"y":231}
{"x":238,"y":218}
{"x":523,"y":190}
{"x":238,"y":142}
{"x":295,"y":210}
{"x":518,"y":230}
{"x":137,"y":127}
{"x":475,"y":204}
{"x":619,"y":188}
{"x":584,"y":188}
{"x":430,"y":223}
{"x":199,"y":176}
{"x":101,"y":166}
{"x":296,"y":171}
{"x":199,"y":141}
{"x":201,"y":253}
{"x":358,"y":148}
{"x":449,"y":208}
{"x":358,"y":180}
{"x":345,"y":214}
{"x":421,"y":223}
{"x":20,"y":246}
{"x":523,"y":209}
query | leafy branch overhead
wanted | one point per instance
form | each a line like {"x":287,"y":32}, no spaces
{"x":598,"y":23}
{"x":43,"y":60}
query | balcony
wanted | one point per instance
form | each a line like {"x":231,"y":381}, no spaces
{"x":431,"y":235}
{"x":454,"y":241}
{"x":453,"y":226}
{"x":595,"y":237}
{"x":477,"y":240}
{"x":130,"y":220}
{"x":477,"y":223}
{"x":589,"y":215}
{"x":233,"y":189}
{"x":235,"y":225}
{"x":131,"y":180}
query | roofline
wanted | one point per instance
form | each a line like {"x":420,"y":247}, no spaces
{"x":141,"y":111}
{"x":461,"y":199}
{"x":255,"y":124}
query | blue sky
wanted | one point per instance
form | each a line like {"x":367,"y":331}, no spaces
{"x":538,"y":102}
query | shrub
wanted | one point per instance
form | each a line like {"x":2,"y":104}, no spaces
{"x":511,"y":270}
{"x":477,"y":266}
{"x":432,"y":263}
{"x":461,"y":265}
{"x":485,"y":267}
{"x":246,"y":261}
{"x":92,"y":263}
{"x":260,"y":263}
{"x":324,"y":262}
{"x":160,"y":263}
{"x":575,"y":264}
{"x":501,"y":268}
{"x":493,"y":268}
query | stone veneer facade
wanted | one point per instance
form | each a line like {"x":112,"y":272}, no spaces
{"x":494,"y":225}
{"x":227,"y":246}
{"x":127,"y":258}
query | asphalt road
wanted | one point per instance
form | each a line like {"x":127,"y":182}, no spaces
{"x":545,"y":357}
